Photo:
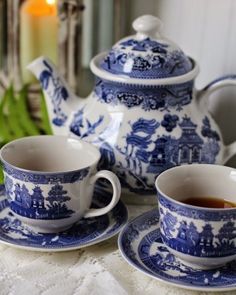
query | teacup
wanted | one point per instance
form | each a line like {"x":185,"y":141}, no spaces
{"x":202,"y":237}
{"x":49,"y":181}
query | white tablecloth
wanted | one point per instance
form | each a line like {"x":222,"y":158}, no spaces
{"x":97,"y":269}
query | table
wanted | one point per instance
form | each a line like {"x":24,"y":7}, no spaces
{"x":95,"y":270}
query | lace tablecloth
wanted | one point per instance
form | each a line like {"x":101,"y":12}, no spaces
{"x":97,"y":269}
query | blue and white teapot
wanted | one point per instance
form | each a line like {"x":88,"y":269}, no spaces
{"x":144,"y":113}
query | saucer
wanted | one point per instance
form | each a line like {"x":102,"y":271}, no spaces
{"x":84,"y":233}
{"x":141,"y":246}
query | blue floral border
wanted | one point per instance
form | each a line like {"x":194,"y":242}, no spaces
{"x":148,"y":97}
{"x":36,"y":178}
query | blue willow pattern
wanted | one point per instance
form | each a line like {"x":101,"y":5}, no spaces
{"x":36,"y":205}
{"x":158,"y":60}
{"x":167,"y":151}
{"x":183,"y":235}
{"x":36,"y":178}
{"x":152,"y":257}
{"x":58,"y":94}
{"x":80,"y":234}
{"x":148,"y":98}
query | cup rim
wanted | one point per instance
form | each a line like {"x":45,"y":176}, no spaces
{"x":89,"y":145}
{"x":192,"y":166}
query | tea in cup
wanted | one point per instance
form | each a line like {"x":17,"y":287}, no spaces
{"x":49,"y":181}
{"x":197,"y":205}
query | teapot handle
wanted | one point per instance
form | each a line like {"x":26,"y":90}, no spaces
{"x":202,"y":98}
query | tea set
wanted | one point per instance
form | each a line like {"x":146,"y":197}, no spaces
{"x":147,"y":125}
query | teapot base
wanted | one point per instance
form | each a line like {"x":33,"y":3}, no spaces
{"x":136,"y":199}
{"x":131,"y":198}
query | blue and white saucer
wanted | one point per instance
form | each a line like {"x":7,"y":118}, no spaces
{"x":141,"y":246}
{"x":84,"y":233}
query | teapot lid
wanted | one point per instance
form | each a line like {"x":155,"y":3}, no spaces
{"x":146,"y":55}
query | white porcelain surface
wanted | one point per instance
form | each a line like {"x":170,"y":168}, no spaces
{"x":202,"y":180}
{"x":50,"y":154}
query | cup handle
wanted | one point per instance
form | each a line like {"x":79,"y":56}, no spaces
{"x":115,"y":197}
{"x":202,"y":98}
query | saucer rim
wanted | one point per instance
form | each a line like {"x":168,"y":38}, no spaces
{"x":180,"y":285}
{"x":97,"y":240}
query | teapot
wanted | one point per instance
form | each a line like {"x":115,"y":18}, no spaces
{"x":144,"y":113}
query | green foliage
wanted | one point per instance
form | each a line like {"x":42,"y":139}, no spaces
{"x":5,"y":133}
{"x":45,"y":124}
{"x":1,"y":175}
{"x":28,"y":126}
{"x":15,"y":118}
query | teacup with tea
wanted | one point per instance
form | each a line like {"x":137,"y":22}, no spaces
{"x":50,"y":179}
{"x":197,"y":205}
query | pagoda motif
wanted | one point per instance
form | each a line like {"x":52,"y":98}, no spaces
{"x":169,"y":151}
{"x":163,"y":154}
{"x":159,"y":154}
{"x":37,"y":198}
{"x":189,"y":239}
{"x":182,"y":231}
{"x":189,"y":144}
{"x":206,"y":236}
{"x":36,"y":205}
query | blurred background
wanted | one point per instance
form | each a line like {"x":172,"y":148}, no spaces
{"x":204,"y":29}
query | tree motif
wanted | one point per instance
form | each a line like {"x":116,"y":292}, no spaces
{"x":169,"y":122}
{"x":169,"y":222}
{"x":226,"y":235}
{"x":26,"y":197}
{"x":212,"y":147}
{"x":9,"y":185}
{"x":57,"y":195}
{"x":207,"y":131}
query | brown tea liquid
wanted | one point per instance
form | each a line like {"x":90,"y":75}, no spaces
{"x":209,"y":202}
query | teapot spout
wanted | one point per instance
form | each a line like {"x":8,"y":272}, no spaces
{"x":59,"y":99}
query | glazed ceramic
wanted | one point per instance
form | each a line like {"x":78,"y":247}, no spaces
{"x":141,"y":246}
{"x":83,"y":233}
{"x":203,"y":237}
{"x":144,"y":113}
{"x":49,"y":181}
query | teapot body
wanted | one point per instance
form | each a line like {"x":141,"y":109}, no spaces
{"x":144,"y":113}
{"x":143,"y":130}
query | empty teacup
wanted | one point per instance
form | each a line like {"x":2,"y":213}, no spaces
{"x":49,"y":181}
{"x":197,"y":205}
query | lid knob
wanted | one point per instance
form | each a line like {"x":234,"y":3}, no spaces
{"x":147,"y":26}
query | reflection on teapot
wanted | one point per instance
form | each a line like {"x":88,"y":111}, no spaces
{"x":144,"y":113}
